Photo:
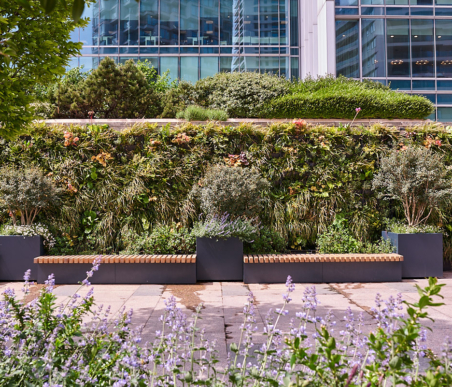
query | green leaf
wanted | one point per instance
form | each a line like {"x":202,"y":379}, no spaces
{"x":48,"y":5}
{"x":395,"y":363}
{"x":77,"y":9}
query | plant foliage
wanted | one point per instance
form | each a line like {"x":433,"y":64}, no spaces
{"x":110,"y":91}
{"x":240,"y":94}
{"x":144,"y":175}
{"x":26,"y":192}
{"x":76,"y":343}
{"x":230,"y":190}
{"x":416,"y":177}
{"x":34,"y":50}
{"x":338,"y":98}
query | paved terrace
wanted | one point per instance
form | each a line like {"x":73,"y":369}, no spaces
{"x":223,"y":304}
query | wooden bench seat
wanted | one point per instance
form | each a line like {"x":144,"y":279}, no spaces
{"x":119,"y":269}
{"x":316,"y":268}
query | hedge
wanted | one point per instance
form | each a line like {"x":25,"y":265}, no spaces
{"x":142,"y":176}
{"x":341,"y":103}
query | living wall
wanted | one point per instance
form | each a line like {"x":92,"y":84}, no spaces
{"x":121,"y":182}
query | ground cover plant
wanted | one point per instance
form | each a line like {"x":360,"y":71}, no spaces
{"x":116,"y":182}
{"x":77,"y":343}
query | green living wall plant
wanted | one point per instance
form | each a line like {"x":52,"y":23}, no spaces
{"x":115,"y":182}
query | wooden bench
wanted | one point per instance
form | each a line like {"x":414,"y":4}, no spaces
{"x":119,"y":269}
{"x":316,"y":268}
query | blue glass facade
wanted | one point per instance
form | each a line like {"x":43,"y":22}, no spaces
{"x":403,"y":43}
{"x":194,"y":38}
{"x":406,"y":44}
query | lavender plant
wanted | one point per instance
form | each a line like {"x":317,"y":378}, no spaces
{"x":78,"y":344}
{"x":222,"y":227}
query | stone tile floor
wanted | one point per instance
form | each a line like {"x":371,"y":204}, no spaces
{"x":223,"y":304}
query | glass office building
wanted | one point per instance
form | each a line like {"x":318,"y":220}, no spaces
{"x":194,"y":38}
{"x":404,"y":43}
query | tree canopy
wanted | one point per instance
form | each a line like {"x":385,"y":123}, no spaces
{"x":35,"y":47}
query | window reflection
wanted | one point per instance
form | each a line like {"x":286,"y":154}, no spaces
{"x":169,"y":22}
{"x":149,"y":22}
{"x":251,"y":22}
{"x":128,"y":28}
{"x":269,"y":33}
{"x":189,"y":68}
{"x":209,"y":22}
{"x":347,"y":48}
{"x":422,"y":48}
{"x":398,"y":47}
{"x":189,"y":22}
{"x":226,"y":20}
{"x":90,"y":34}
{"x":108,"y":22}
{"x":443,"y":48}
{"x":373,"y":50}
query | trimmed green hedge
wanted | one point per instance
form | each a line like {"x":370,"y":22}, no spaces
{"x":342,"y":102}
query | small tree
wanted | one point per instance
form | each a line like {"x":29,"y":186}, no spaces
{"x":233,"y":190}
{"x":25,"y":192}
{"x":417,"y":178}
{"x":111,"y":91}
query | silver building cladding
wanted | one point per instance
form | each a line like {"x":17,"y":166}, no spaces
{"x":406,"y":44}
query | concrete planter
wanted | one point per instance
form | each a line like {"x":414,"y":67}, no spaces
{"x":422,"y":253}
{"x":16,"y":256}
{"x":219,"y":260}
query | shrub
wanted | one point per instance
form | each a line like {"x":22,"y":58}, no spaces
{"x":163,"y":239}
{"x":400,"y":227}
{"x":176,"y":99}
{"x":26,"y":192}
{"x":111,"y":91}
{"x":267,"y":241}
{"x":240,"y":94}
{"x":197,"y":113}
{"x":416,"y":177}
{"x":232,"y":190}
{"x":222,"y":227}
{"x":329,"y":98}
{"x":339,"y":240}
{"x":44,"y":110}
{"x":31,"y":230}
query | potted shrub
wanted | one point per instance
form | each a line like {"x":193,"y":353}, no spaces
{"x":230,"y":198}
{"x":24,"y":192}
{"x":417,"y":178}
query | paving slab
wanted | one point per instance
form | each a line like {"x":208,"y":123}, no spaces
{"x":223,"y":302}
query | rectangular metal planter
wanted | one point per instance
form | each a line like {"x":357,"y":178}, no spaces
{"x":120,"y":273}
{"x":219,"y":260}
{"x":422,"y":253}
{"x":271,"y":273}
{"x":16,"y":256}
{"x":390,"y":271}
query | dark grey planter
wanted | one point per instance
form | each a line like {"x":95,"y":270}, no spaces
{"x":276,"y":273}
{"x":16,"y":256}
{"x":219,"y":260}
{"x":120,"y":273}
{"x":422,"y":253}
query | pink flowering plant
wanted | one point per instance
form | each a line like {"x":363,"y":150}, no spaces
{"x":78,"y":344}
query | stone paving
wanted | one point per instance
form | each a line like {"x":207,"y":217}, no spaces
{"x":223,"y":304}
